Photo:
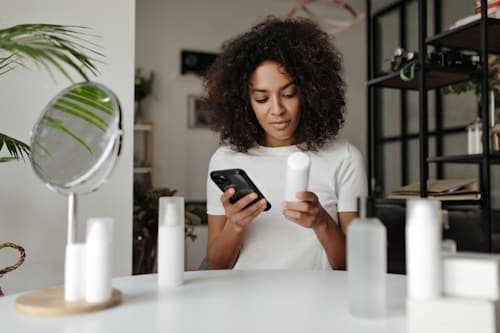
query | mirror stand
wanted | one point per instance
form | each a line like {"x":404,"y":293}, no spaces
{"x":75,"y":145}
{"x":72,"y":219}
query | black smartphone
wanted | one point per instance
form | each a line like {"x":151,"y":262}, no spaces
{"x":238,"y":179}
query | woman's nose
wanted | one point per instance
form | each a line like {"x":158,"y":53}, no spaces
{"x":277,"y":107}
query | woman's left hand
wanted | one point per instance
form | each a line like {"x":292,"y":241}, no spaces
{"x":308,"y":212}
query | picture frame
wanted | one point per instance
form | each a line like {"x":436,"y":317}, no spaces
{"x":198,"y":113}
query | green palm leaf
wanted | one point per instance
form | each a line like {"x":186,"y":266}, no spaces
{"x":16,"y":149}
{"x":50,"y":47}
{"x":59,"y":125}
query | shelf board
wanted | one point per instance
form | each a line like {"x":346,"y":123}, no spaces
{"x":437,"y":77}
{"x":143,"y":170}
{"x":464,"y":159}
{"x":143,"y":127}
{"x":402,"y":202}
{"x":468,"y":37}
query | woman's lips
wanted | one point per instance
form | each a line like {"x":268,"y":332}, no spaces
{"x":280,"y":125}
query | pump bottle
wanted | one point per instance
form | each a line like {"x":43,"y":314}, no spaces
{"x":171,"y":242}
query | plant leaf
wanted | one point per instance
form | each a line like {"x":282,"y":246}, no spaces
{"x":45,"y":44}
{"x":82,"y":114}
{"x":15,"y":148}
{"x":59,"y":125}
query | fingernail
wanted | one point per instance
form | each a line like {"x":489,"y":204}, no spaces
{"x":283,"y":204}
{"x":253,"y":196}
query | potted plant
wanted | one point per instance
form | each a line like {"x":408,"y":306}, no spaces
{"x":474,"y":85}
{"x":50,"y":47}
{"x":143,"y":87}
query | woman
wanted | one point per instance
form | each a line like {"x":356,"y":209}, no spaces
{"x":273,"y":91}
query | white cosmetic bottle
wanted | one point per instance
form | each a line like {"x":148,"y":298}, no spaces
{"x":98,"y":260}
{"x":423,"y":249}
{"x":74,"y":272}
{"x":171,"y":242}
{"x":366,"y":262}
{"x":297,"y":175}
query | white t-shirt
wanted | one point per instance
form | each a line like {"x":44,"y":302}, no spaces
{"x":337,"y":177}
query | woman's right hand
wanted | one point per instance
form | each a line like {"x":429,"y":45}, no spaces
{"x":237,"y":215}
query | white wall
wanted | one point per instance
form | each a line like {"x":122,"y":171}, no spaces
{"x":165,"y":27}
{"x":30,"y":214}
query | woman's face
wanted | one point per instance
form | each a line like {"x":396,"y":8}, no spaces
{"x":274,"y":99}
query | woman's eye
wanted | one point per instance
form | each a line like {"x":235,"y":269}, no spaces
{"x":261,"y":100}
{"x":290,"y":94}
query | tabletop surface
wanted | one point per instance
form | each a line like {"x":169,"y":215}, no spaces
{"x":225,"y":301}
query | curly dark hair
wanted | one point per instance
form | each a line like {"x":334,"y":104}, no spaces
{"x":310,"y":59}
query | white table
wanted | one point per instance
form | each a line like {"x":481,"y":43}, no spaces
{"x":225,"y":301}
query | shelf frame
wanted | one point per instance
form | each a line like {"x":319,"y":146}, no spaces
{"x":143,"y":127}
{"x":423,"y":98}
{"x":485,"y":174}
{"x":478,"y":36}
{"x":464,"y":159}
{"x":439,"y":77}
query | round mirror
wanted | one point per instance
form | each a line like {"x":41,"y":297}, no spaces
{"x":76,"y":141}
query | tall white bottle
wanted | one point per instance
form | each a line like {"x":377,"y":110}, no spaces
{"x":297,"y":175}
{"x":74,"y":272}
{"x":366,"y":262}
{"x":98,"y":260}
{"x":423,"y":249}
{"x":171,"y":242}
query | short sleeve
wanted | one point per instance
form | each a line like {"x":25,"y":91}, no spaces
{"x":214,"y":206}
{"x":352,"y":181}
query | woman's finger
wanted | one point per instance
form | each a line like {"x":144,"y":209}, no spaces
{"x":252,"y":211}
{"x":307,"y":196}
{"x":226,"y":196}
{"x":301,"y":206}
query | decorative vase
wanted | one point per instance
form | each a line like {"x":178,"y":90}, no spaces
{"x":138,"y":114}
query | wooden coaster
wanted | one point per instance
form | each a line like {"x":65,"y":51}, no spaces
{"x":50,"y":302}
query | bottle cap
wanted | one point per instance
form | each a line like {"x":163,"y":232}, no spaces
{"x":299,"y":160}
{"x":171,"y":217}
{"x":100,"y":227}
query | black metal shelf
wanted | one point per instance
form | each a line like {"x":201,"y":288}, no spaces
{"x":437,"y":77}
{"x":466,"y":37}
{"x":464,"y":159}
{"x":480,"y":36}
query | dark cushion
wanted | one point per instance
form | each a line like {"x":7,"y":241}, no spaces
{"x":464,"y":228}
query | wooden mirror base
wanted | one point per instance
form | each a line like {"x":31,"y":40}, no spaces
{"x":50,"y":302}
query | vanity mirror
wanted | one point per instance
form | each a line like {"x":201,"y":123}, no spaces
{"x":76,"y":141}
{"x":75,"y":145}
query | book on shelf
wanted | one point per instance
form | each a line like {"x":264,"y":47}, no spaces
{"x":440,"y":189}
